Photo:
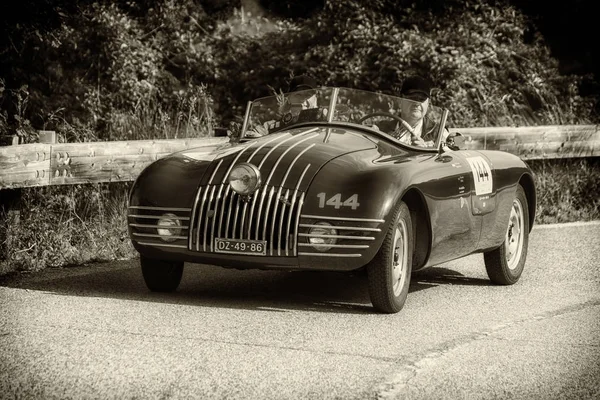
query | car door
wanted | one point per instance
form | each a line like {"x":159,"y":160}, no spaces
{"x":448,"y":187}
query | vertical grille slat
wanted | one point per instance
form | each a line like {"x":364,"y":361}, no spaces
{"x":264,"y":232}
{"x":231,"y":200}
{"x":235,"y":217}
{"x":274,"y":219}
{"x":214,"y":217}
{"x":208,"y":206}
{"x":223,"y":212}
{"x":200,"y":219}
{"x":243,"y":220}
{"x":295,"y":236}
{"x":260,"y":207}
{"x":283,"y":242}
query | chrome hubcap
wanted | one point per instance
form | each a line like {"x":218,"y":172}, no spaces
{"x":400,"y":257}
{"x":514,"y":235}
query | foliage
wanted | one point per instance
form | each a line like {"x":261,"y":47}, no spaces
{"x":567,"y":190}
{"x":118,"y":70}
{"x":64,"y":225}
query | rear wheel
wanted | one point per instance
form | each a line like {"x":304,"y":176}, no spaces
{"x":161,"y":276}
{"x":389,"y":272}
{"x":505,"y":264}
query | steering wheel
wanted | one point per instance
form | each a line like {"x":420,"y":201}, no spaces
{"x":397,"y":118}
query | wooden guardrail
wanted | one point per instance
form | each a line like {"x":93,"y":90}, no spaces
{"x":91,"y":162}
{"x":537,"y":142}
{"x":39,"y":164}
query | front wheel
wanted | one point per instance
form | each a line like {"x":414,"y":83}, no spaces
{"x":161,"y":276}
{"x":389,"y":272}
{"x":505,"y":264}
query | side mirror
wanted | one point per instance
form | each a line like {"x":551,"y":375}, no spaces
{"x":456,"y":141}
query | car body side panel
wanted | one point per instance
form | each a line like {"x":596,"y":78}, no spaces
{"x":446,"y":184}
{"x":508,"y":170}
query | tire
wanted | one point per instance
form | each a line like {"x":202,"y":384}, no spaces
{"x":161,"y":276}
{"x":505,"y":264}
{"x":390,"y":271}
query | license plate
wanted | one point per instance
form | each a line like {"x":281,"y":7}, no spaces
{"x":240,"y":246}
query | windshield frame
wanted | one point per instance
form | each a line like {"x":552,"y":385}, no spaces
{"x":334,"y":108}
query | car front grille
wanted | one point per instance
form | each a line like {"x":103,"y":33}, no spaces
{"x":271,"y":214}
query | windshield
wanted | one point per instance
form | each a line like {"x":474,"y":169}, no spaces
{"x":411,"y":122}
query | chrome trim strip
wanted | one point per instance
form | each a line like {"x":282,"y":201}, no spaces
{"x":210,"y":200}
{"x":160,"y":208}
{"x":330,"y":255}
{"x":215,"y":171}
{"x":347,"y":228}
{"x":154,"y":235}
{"x":155,"y":226}
{"x":274,"y":216}
{"x":289,"y":221}
{"x":295,"y":238}
{"x":337,"y":246}
{"x":214,"y":217}
{"x":223,"y":211}
{"x":260,"y":207}
{"x":281,"y":241}
{"x":157,"y":217}
{"x":282,"y":142}
{"x":179,"y":246}
{"x":234,"y":161}
{"x":200,"y":217}
{"x":300,"y":203}
{"x":264,"y":144}
{"x":342,"y":218}
{"x":337,"y":236}
{"x":274,"y":168}
{"x":332,"y":103}
{"x":294,"y":162}
{"x":233,"y":194}
{"x":252,"y":208}
{"x":191,"y":232}
{"x":237,"y":210}
{"x":246,"y":114}
{"x":243,"y":221}
{"x":264,"y":233}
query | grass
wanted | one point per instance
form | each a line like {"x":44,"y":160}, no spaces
{"x":60,"y":226}
{"x":568,"y":190}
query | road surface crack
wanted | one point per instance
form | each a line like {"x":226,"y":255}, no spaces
{"x":394,"y":386}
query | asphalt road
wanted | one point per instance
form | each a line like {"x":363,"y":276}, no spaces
{"x":96,"y":332}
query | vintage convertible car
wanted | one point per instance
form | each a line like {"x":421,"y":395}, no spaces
{"x":328,"y":187}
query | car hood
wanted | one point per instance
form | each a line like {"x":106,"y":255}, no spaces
{"x":289,"y":159}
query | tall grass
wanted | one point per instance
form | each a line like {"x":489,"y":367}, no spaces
{"x":568,"y":190}
{"x":67,"y":225}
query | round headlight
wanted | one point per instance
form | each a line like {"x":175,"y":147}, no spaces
{"x":169,"y":227}
{"x":244,"y":178}
{"x":322,"y":236}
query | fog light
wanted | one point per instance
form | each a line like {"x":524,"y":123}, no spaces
{"x":322,"y":236}
{"x":169,"y":227}
{"x":244,"y":178}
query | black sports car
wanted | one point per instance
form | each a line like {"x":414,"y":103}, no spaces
{"x":334,"y":179}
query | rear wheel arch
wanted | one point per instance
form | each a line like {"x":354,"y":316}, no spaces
{"x":421,"y":226}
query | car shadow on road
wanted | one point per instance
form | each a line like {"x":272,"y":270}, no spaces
{"x":210,"y":286}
